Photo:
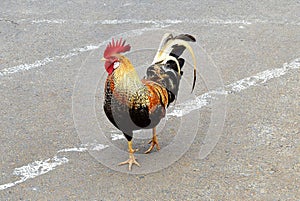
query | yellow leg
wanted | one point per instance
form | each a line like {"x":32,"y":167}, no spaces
{"x":131,"y":159}
{"x":153,"y":142}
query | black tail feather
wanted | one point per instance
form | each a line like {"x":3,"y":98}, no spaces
{"x":179,"y":49}
{"x":186,"y":37}
{"x":166,"y":72}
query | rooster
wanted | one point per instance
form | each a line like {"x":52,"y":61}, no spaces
{"x":132,"y":103}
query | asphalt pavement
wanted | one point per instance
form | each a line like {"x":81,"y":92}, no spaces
{"x":239,"y":133}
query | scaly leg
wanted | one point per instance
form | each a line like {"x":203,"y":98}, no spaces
{"x":131,"y":159}
{"x":154,"y":142}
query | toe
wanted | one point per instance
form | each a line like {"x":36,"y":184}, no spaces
{"x":123,"y":163}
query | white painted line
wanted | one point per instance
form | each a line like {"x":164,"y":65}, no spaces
{"x":263,"y":77}
{"x":84,"y":148}
{"x":136,"y":21}
{"x":41,"y":167}
{"x":238,"y":86}
{"x":219,"y":21}
{"x":210,"y":21}
{"x":38,"y":168}
{"x":74,"y":149}
{"x":115,"y":136}
{"x":200,"y":102}
{"x":200,"y":22}
{"x":45,"y":61}
{"x":25,"y":67}
{"x":156,"y":24}
{"x":35,"y":169}
{"x":72,"y":53}
{"x":98,"y":147}
{"x":57,"y":21}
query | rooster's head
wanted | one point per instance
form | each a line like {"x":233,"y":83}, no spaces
{"x":111,"y":54}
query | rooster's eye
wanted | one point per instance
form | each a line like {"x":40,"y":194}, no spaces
{"x":116,"y":64}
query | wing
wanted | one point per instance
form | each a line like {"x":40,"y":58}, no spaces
{"x":157,"y":96}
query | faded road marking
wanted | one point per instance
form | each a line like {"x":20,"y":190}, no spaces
{"x":238,"y":86}
{"x":72,"y":53}
{"x":210,"y":21}
{"x":38,"y":168}
{"x":41,"y":167}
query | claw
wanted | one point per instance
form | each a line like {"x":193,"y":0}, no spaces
{"x":153,"y":142}
{"x":130,"y":161}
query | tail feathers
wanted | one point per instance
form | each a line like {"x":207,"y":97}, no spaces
{"x":173,"y":65}
{"x":186,"y":37}
{"x":167,"y":76}
{"x":179,"y":49}
{"x":173,"y":46}
{"x":168,"y":55}
{"x":163,"y":42}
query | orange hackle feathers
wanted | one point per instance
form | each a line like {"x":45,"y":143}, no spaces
{"x":115,"y":48}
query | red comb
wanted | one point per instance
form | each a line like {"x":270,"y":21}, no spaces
{"x":115,"y":48}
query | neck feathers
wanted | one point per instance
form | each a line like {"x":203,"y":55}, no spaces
{"x":126,"y":79}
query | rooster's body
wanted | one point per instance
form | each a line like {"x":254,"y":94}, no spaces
{"x":130,"y":103}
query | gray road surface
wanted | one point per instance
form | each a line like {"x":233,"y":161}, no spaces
{"x":43,"y":45}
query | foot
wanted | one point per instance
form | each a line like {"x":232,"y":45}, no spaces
{"x":130,"y":161}
{"x":153,"y":142}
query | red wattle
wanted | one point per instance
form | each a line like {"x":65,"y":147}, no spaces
{"x":109,"y":67}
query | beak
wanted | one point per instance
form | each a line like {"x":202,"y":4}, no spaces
{"x":103,"y":59}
